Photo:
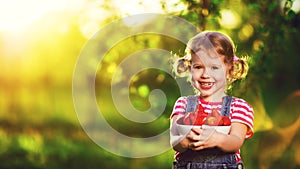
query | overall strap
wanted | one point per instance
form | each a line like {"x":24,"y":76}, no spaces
{"x":192,"y":102}
{"x":225,"y":111}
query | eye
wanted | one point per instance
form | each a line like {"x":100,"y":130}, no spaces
{"x":214,"y":67}
{"x":198,"y":66}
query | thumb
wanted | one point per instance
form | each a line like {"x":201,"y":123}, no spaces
{"x":207,"y":131}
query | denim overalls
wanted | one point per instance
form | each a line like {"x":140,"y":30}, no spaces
{"x":212,"y":158}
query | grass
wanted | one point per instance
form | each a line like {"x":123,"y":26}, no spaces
{"x":62,"y":145}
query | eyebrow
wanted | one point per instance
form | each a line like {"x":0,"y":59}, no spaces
{"x":208,"y":65}
{"x":219,"y":65}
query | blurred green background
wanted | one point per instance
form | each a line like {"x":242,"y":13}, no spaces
{"x":40,"y":41}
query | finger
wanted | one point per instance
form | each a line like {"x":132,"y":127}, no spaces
{"x":197,"y":147}
{"x":197,"y":130}
{"x":198,"y":144}
{"x":191,"y":146}
{"x":193,"y":137}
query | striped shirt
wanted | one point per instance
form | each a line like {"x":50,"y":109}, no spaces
{"x":240,"y":111}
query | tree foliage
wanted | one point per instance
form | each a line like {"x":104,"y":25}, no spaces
{"x":38,"y":125}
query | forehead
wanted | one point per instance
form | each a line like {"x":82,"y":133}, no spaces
{"x":207,"y":57}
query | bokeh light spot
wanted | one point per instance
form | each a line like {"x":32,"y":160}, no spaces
{"x":229,"y":19}
{"x":257,"y":45}
{"x":143,"y":90}
{"x":246,"y":32}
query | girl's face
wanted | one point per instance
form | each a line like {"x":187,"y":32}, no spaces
{"x":209,"y":76}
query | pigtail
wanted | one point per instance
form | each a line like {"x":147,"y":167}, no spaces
{"x":181,"y":66}
{"x":240,"y":68}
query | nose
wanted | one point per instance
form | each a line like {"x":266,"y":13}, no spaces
{"x":205,"y":74}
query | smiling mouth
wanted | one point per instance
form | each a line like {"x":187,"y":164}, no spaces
{"x":206,"y":84}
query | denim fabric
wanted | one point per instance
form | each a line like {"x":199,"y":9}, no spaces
{"x":210,"y":162}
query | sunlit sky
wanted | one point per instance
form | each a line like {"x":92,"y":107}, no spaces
{"x":22,"y":20}
{"x":17,"y":14}
{"x":28,"y":28}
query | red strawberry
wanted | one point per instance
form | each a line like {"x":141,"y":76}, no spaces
{"x":201,"y":116}
{"x":214,"y":119}
{"x":186,"y":120}
{"x":200,"y":109}
{"x":180,"y":120}
{"x":201,"y":119}
{"x":189,"y":118}
{"x":226,"y":121}
{"x":221,"y":122}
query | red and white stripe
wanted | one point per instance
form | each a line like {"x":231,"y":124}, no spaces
{"x":241,"y":112}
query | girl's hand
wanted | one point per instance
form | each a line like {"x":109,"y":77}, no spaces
{"x":179,"y":142}
{"x":186,"y":141}
{"x":208,"y":137}
{"x":183,"y":142}
{"x":205,"y":137}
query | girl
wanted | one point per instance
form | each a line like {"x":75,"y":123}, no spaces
{"x":211,"y":65}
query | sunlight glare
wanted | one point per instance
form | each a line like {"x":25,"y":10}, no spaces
{"x":138,"y":20}
{"x":17,"y":14}
{"x":296,"y":6}
{"x":134,"y":7}
{"x":229,"y":19}
{"x":141,"y":7}
{"x":137,"y":7}
{"x":90,"y":20}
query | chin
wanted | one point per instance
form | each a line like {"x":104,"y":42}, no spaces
{"x":204,"y":94}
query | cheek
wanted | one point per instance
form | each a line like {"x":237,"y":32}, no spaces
{"x":193,"y":77}
{"x":221,"y":76}
{"x":195,"y":74}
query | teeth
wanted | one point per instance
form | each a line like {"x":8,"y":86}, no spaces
{"x":207,"y":84}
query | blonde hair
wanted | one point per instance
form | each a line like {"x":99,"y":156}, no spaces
{"x":222,"y":45}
